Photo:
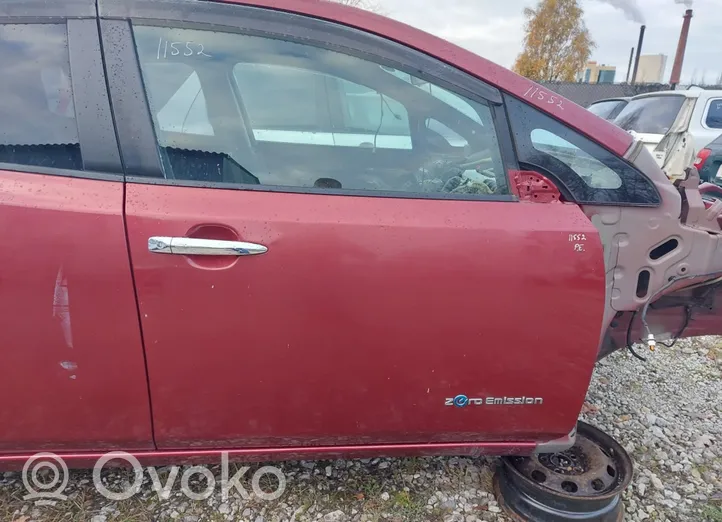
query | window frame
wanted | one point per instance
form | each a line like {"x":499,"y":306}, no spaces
{"x":136,"y":133}
{"x":41,"y":11}
{"x":96,"y":131}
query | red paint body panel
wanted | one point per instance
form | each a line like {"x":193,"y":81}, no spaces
{"x":361,"y":319}
{"x":602,"y":131}
{"x":72,"y":374}
{"x":162,"y":458}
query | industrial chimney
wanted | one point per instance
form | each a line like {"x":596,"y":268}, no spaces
{"x":629,"y":67}
{"x":639,"y":51}
{"x":681,"y":46}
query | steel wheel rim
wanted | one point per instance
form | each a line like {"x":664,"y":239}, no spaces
{"x":595,"y":468}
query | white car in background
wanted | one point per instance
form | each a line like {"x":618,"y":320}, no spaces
{"x":674,"y":125}
{"x":608,"y":108}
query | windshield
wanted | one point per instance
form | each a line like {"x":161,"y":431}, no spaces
{"x":650,"y":115}
{"x":606,"y":108}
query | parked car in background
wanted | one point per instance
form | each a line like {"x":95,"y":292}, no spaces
{"x":608,"y":108}
{"x":709,"y":162}
{"x":665,"y":121}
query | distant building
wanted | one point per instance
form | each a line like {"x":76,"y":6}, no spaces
{"x":597,"y":73}
{"x":651,"y":68}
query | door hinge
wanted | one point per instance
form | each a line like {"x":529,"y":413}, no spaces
{"x":532,"y":186}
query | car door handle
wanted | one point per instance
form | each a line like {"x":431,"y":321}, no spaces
{"x":191,"y":246}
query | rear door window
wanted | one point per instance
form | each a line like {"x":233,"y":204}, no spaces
{"x":713,"y":119}
{"x":37,"y":110}
{"x":650,"y":115}
{"x":181,"y":103}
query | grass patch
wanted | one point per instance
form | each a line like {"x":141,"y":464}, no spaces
{"x":409,"y":506}
{"x":712,"y":513}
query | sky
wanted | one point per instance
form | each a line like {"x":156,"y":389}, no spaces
{"x":494,"y":30}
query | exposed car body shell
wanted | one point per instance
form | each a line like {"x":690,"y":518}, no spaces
{"x":629,"y":236}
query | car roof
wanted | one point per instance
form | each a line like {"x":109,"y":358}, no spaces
{"x":689,"y":93}
{"x":603,"y":132}
{"x":619,"y":98}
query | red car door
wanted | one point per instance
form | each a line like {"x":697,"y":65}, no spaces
{"x":345,"y":265}
{"x":72,"y":373}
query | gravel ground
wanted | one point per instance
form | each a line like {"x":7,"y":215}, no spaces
{"x":666,"y":412}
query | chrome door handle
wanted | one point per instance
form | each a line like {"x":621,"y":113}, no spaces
{"x":202,"y":247}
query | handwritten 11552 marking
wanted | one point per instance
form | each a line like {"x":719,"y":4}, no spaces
{"x":541,"y":95}
{"x":189,"y":48}
{"x":575,"y":238}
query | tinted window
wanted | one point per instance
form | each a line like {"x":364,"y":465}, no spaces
{"x":714,"y":114}
{"x":362,"y":110}
{"x":650,"y":115}
{"x":37,"y":113}
{"x":591,"y":170}
{"x":260,"y":83}
{"x":259,"y":111}
{"x":180,"y":99}
{"x":606,"y":109}
{"x":366,"y":110}
{"x":585,"y":171}
{"x":439,"y":92}
{"x":449,"y":135}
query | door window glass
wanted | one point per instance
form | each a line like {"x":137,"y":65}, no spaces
{"x":714,"y":114}
{"x":179,"y":98}
{"x":592,"y":171}
{"x":584,"y":170}
{"x":439,"y":92}
{"x":262,"y":111}
{"x":364,"y":113}
{"x":368,"y":113}
{"x":449,"y":135}
{"x":304,"y":110}
{"x":37,"y":111}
